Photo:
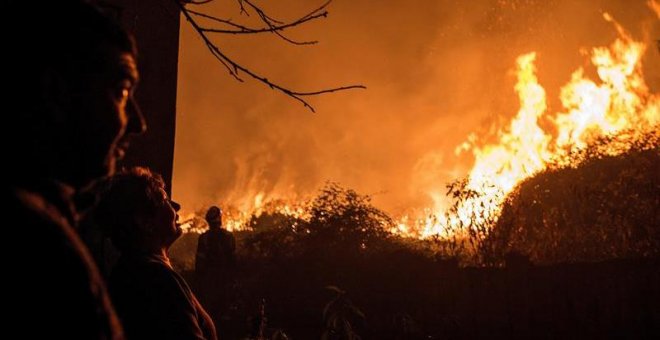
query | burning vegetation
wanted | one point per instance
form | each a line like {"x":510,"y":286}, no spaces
{"x":538,"y":160}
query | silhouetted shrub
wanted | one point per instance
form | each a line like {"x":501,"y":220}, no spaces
{"x":605,"y":208}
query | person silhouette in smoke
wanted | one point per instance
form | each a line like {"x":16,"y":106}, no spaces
{"x":69,"y":77}
{"x":152,"y":300}
{"x":215,"y":263}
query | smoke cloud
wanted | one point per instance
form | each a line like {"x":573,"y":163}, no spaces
{"x":436,"y":72}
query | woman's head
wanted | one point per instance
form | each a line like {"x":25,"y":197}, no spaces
{"x":136,"y":213}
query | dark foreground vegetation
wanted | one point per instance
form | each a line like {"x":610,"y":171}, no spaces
{"x":576,"y":254}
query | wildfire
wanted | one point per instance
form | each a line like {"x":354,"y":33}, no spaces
{"x":616,"y":104}
{"x":619,"y":102}
{"x":235,"y":219}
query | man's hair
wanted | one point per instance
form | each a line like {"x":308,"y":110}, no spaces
{"x":61,"y":34}
{"x":214,"y":215}
{"x":126,"y":198}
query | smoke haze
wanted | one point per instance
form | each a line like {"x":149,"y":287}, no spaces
{"x":436,"y":71}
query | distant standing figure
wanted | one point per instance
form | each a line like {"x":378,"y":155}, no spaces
{"x":216,"y":247}
{"x":152,"y":300}
{"x":215,"y":262}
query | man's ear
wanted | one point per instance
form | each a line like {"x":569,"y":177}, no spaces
{"x":55,"y":94}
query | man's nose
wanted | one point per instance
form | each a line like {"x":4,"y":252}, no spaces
{"x":137,"y":124}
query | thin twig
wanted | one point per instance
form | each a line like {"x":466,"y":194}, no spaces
{"x":261,"y":12}
{"x":197,"y":2}
{"x":271,"y":23}
{"x":223,"y":21}
{"x":243,"y":11}
{"x":235,"y":68}
{"x":248,"y":30}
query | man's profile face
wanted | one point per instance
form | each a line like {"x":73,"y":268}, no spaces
{"x":105,"y":113}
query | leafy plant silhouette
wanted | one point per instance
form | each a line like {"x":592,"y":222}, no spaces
{"x":339,"y":315}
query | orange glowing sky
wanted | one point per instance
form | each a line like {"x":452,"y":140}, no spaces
{"x":436,"y":71}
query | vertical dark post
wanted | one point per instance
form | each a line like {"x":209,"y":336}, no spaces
{"x":155,"y":25}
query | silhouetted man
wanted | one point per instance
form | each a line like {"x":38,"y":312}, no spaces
{"x":69,"y":74}
{"x":215,"y":263}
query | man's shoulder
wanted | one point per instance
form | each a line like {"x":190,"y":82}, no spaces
{"x":39,"y":220}
{"x":32,"y":206}
{"x":50,"y":234}
{"x":56,"y":270}
{"x":215,"y":233}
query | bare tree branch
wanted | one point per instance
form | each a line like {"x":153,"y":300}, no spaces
{"x":273,"y":26}
{"x":222,"y":21}
{"x":261,"y":13}
{"x":248,"y":30}
{"x":197,"y":2}
{"x":243,"y":11}
{"x":272,"y":22}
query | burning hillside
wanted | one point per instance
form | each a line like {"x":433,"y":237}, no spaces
{"x":617,"y":105}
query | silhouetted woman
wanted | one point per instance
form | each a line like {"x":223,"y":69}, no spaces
{"x":152,"y":300}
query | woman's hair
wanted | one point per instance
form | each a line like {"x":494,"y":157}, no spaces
{"x":125,"y":199}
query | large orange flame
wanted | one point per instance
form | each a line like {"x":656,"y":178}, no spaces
{"x":619,"y":101}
